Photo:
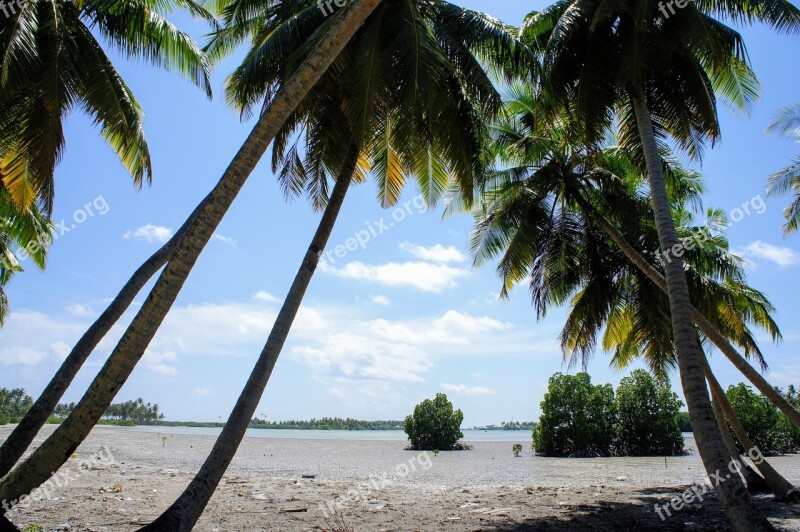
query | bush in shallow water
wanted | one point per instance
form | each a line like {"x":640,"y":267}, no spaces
{"x":434,"y":425}
{"x":647,"y":411}
{"x":577,"y":417}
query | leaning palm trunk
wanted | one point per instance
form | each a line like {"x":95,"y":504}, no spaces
{"x":703,"y":324}
{"x":20,"y":439}
{"x":781,"y":487}
{"x":735,"y":499}
{"x":776,"y":483}
{"x":754,"y":482}
{"x":186,"y":510}
{"x":62,"y":443}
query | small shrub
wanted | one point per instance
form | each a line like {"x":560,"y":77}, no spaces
{"x":517,"y":448}
{"x":3,"y":420}
{"x":434,"y":425}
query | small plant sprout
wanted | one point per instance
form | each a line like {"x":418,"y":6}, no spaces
{"x":436,"y":452}
{"x":517,"y":448}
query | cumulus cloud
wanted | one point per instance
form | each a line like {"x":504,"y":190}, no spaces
{"x":265,"y":296}
{"x":149,"y":233}
{"x":782,"y":256}
{"x":436,"y":253}
{"x":463,"y":389}
{"x":225,"y":240}
{"x":380,"y":300}
{"x":425,"y":276}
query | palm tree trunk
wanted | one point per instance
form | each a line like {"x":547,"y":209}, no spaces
{"x":754,"y":482}
{"x":703,"y":324}
{"x":735,"y":499}
{"x":62,"y":443}
{"x":781,"y":487}
{"x":20,"y":439}
{"x":186,"y":510}
{"x":778,"y":485}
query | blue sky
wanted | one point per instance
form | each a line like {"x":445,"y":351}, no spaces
{"x":384,"y":326}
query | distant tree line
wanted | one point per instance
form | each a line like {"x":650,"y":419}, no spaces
{"x":127,"y":414}
{"x":510,"y":425}
{"x":327,"y":423}
{"x":13,"y":405}
{"x":582,"y":419}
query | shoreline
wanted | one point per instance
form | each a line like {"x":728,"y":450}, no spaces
{"x":286,"y":484}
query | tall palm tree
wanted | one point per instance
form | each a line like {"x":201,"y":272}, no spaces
{"x":534,"y":143}
{"x":413,"y":106}
{"x":61,"y":444}
{"x":787,"y":123}
{"x":657,"y":76}
{"x":53,"y":64}
{"x":570,"y":258}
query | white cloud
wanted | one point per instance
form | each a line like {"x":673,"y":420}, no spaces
{"x":30,"y":338}
{"x":781,"y":255}
{"x":463,"y":389}
{"x":225,"y":239}
{"x":81,"y":311}
{"x":380,"y":300}
{"x":149,"y":233}
{"x":156,"y":361}
{"x":437,"y":253}
{"x":202,"y":391}
{"x":347,"y":348}
{"x":265,"y":296}
{"x":424,"y":276}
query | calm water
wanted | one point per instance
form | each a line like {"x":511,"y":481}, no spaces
{"x":521,"y":436}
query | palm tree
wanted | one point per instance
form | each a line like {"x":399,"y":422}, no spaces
{"x":60,"y":445}
{"x":38,"y":88}
{"x":413,"y":106}
{"x":787,"y":123}
{"x":657,"y":77}
{"x":534,"y":144}
{"x":570,"y":258}
{"x":53,"y":64}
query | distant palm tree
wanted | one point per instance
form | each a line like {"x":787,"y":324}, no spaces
{"x":657,"y":76}
{"x":407,"y":98}
{"x":787,"y":123}
{"x":52,"y":64}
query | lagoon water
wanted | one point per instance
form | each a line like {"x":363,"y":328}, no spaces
{"x":470,"y":435}
{"x":368,"y":435}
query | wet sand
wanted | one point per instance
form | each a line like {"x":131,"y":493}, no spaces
{"x":301,"y":484}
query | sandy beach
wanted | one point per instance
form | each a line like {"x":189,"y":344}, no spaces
{"x":295,"y":484}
